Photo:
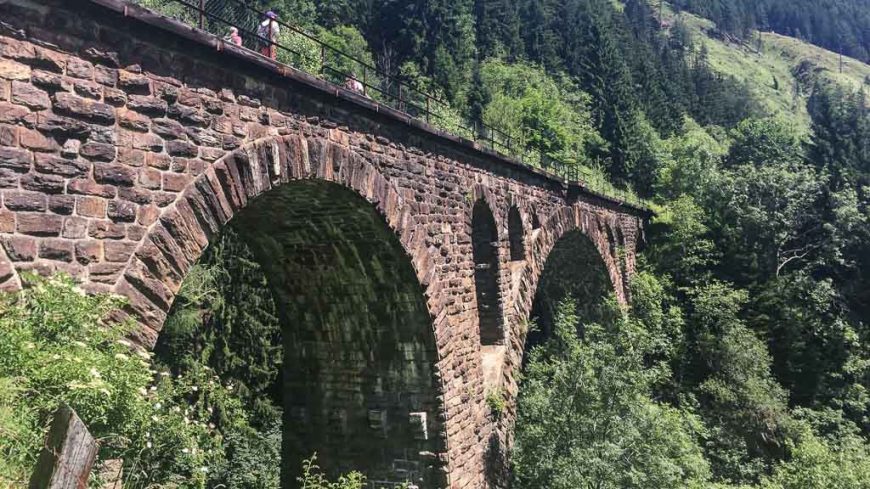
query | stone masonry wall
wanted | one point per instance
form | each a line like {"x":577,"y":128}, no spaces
{"x":127,"y":141}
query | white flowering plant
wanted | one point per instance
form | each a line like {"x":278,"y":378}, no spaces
{"x":57,"y":346}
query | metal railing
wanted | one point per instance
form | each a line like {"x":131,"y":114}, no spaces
{"x":304,"y":51}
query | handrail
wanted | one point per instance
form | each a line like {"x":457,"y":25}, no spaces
{"x":385,"y":88}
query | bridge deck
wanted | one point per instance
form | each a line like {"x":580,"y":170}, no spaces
{"x":245,"y":55}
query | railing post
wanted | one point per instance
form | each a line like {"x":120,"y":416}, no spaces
{"x":427,"y":109}
{"x":202,"y":14}
{"x":323,"y":60}
{"x":400,"y":107}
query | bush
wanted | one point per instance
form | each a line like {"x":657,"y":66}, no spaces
{"x":56,"y":346}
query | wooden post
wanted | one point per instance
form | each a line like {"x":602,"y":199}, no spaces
{"x":202,"y":14}
{"x":68,"y":455}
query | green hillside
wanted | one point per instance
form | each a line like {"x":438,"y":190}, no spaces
{"x":775,"y":66}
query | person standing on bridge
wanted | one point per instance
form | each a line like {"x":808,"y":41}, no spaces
{"x":268,"y":31}
{"x":234,"y":36}
{"x":352,"y":83}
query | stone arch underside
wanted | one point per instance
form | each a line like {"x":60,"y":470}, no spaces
{"x":360,"y":382}
{"x":568,"y":232}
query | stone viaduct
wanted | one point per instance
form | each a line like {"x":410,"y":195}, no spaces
{"x":405,"y":260}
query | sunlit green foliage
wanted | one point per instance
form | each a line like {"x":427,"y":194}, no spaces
{"x":58,"y":347}
{"x":586,"y":418}
{"x":537,"y":112}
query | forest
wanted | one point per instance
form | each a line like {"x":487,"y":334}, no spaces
{"x":743,"y":360}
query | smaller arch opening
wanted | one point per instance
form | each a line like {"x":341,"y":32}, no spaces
{"x":484,"y":242}
{"x":536,"y":222}
{"x":515,"y":235}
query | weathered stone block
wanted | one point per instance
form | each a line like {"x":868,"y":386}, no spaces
{"x":181,"y":148}
{"x":107,"y":58}
{"x":168,"y":128}
{"x":115,"y":97}
{"x":148,"y":142}
{"x":75,"y":227}
{"x":97,"y":151}
{"x":8,"y":135}
{"x":12,"y":114}
{"x":89,"y":251}
{"x":61,"y":204}
{"x":105,"y":273}
{"x":114,"y":174}
{"x":106,"y":230}
{"x":79,"y":68}
{"x":13,"y":70}
{"x":49,"y":184}
{"x":118,"y":251}
{"x":151,"y":106}
{"x":134,"y":121}
{"x":148,"y":215}
{"x":39,"y":224}
{"x":88,"y":206}
{"x":89,"y":110}
{"x":134,"y":82}
{"x":56,"y":249}
{"x":131,"y":157}
{"x":62,"y":126}
{"x":135,"y":194}
{"x":175,"y":182}
{"x":86,"y":186}
{"x":71,"y":148}
{"x":15,"y":159}
{"x":20,"y":248}
{"x":51,"y":81}
{"x":46,"y":163}
{"x":37,"y":141}
{"x":8,"y":178}
{"x":7,"y":221}
{"x":121,"y":211}
{"x":23,"y":93}
{"x":136,"y":232}
{"x":88,"y":89}
{"x":150,"y":178}
{"x":16,"y":200}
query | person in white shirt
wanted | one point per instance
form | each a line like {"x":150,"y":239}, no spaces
{"x":267,"y":32}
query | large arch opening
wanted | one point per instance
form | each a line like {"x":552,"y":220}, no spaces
{"x":484,"y":241}
{"x":574,"y":270}
{"x":354,"y":346}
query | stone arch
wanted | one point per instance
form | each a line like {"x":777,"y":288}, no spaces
{"x":174,"y":242}
{"x":561,"y":222}
{"x":485,"y":254}
{"x":240,"y":181}
{"x":516,"y":234}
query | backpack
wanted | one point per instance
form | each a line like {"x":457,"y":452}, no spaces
{"x":263,"y":33}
